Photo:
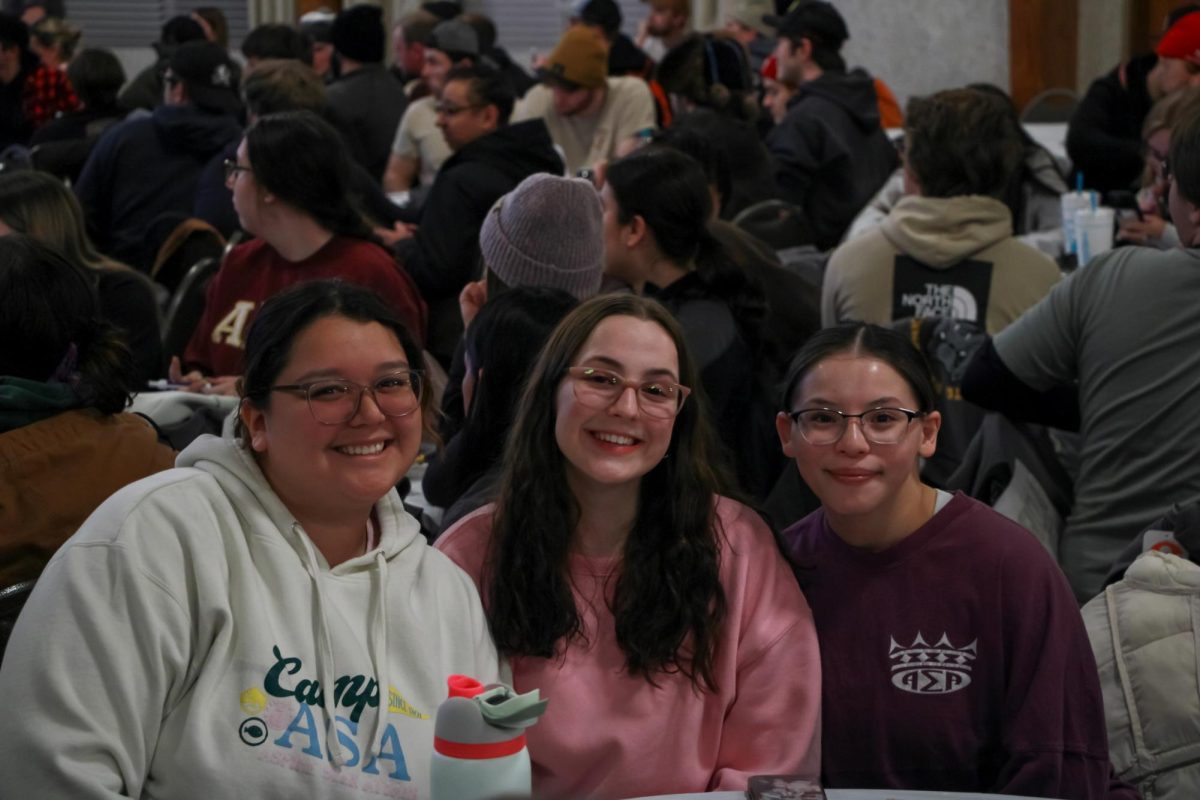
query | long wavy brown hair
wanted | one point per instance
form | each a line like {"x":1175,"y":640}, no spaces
{"x":668,"y":602}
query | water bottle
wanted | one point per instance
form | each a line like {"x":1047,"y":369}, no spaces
{"x":479,"y":742}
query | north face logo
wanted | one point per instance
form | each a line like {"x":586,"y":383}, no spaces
{"x":938,"y":669}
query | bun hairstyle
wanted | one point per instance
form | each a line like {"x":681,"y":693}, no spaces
{"x":52,"y":330}
{"x":713,"y":71}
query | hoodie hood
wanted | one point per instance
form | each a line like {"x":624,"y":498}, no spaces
{"x":195,"y":131}
{"x":940,"y":232}
{"x":234,"y":468}
{"x":854,"y":91}
{"x":518,"y":151}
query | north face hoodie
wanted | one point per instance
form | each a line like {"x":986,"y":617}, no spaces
{"x":937,"y":257}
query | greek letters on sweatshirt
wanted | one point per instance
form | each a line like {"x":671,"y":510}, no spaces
{"x":190,"y":642}
{"x":955,"y":660}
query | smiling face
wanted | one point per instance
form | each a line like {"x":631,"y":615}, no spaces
{"x":619,"y":444}
{"x":433,"y":71}
{"x":326,"y":470}
{"x":858,"y":481}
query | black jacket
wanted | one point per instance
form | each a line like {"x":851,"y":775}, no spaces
{"x":147,"y":167}
{"x":369,"y":102}
{"x":1104,"y":137}
{"x":831,"y":155}
{"x":444,"y":254}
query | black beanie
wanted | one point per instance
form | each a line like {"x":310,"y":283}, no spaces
{"x":358,"y":34}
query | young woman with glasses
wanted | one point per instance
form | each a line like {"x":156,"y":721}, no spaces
{"x":657,"y":616}
{"x":290,"y":188}
{"x":953,"y":653}
{"x":265,"y":620}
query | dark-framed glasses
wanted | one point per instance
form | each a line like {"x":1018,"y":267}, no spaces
{"x":232,"y":168}
{"x":333,"y":401}
{"x":451,"y":110}
{"x":822,"y":426}
{"x":600,"y":388}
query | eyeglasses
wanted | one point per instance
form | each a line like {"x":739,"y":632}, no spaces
{"x":333,"y":401}
{"x":599,"y":388}
{"x":449,"y":110}
{"x":821,"y":426}
{"x":1165,"y":166}
{"x":232,"y":168}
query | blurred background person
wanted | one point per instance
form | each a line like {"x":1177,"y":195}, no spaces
{"x":64,"y":144}
{"x":66,"y":376}
{"x":37,"y":205}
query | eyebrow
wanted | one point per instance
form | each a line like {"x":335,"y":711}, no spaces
{"x":334,"y":372}
{"x":619,"y":367}
{"x":878,"y":402}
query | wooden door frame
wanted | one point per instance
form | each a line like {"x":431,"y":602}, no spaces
{"x":1043,"y":46}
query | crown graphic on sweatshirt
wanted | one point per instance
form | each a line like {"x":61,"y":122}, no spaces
{"x":941,"y":668}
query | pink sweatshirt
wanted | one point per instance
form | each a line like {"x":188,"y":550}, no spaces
{"x":607,"y":734}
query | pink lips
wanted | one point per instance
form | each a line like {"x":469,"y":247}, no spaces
{"x":616,"y":447}
{"x":851,"y":476}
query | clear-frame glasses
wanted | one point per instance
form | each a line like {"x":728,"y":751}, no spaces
{"x":232,"y":168}
{"x":333,"y":401}
{"x":599,"y":388}
{"x":821,"y":426}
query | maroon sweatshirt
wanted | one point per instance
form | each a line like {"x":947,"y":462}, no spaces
{"x":254,"y":272}
{"x":954,"y":660}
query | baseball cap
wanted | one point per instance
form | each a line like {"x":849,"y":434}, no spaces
{"x":455,"y":36}
{"x":209,"y":75}
{"x":812,"y":19}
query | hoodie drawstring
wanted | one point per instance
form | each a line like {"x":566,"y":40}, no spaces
{"x":326,"y":668}
{"x":325,"y":665}
{"x":379,"y":651}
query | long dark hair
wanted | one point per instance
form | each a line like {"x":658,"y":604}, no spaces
{"x":668,"y":603}
{"x":504,"y":342}
{"x":669,"y":190}
{"x":301,"y":159}
{"x":52,"y":329}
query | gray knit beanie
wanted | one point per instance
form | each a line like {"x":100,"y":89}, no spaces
{"x":549,"y":231}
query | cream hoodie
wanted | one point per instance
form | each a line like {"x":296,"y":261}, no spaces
{"x":191,"y":642}
{"x":933,"y":257}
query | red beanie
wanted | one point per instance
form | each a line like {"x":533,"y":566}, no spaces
{"x":1182,"y":40}
{"x":770,"y":68}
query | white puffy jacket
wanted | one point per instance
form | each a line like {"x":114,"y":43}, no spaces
{"x":1145,"y":631}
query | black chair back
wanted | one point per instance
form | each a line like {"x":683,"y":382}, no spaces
{"x":12,"y":600}
{"x":187,"y":306}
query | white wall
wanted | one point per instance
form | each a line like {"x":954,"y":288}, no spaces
{"x":922,"y":46}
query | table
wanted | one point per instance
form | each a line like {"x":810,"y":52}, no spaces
{"x":852,"y":794}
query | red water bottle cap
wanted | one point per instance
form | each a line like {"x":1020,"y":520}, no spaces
{"x":464,"y":686}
